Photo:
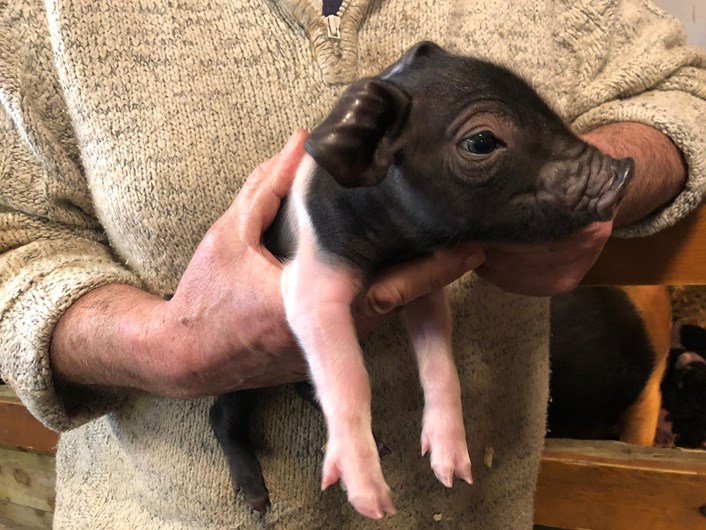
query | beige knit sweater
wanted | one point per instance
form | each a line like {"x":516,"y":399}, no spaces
{"x":127,"y":128}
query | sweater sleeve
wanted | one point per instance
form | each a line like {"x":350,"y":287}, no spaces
{"x":648,"y":74}
{"x":52,"y":247}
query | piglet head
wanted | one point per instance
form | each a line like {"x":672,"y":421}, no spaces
{"x":473,"y":142}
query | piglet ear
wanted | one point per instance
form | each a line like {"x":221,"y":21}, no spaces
{"x":356,"y":142}
{"x":412,"y":55}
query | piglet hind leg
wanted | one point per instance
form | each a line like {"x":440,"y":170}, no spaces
{"x":307,"y":391}
{"x":317,"y":297}
{"x":230,"y":420}
{"x":429,"y":323}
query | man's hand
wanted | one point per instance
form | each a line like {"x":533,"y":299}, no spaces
{"x":548,"y":268}
{"x":553,"y":268}
{"x":224,"y":327}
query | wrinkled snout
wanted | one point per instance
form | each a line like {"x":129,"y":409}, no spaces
{"x":588,"y":182}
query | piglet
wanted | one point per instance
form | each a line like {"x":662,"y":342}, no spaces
{"x":437,"y":150}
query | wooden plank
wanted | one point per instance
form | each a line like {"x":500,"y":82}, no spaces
{"x":18,"y":428}
{"x":674,"y":256}
{"x":610,"y":485}
{"x":8,"y":396}
{"x":15,"y":516}
{"x":27,"y":479}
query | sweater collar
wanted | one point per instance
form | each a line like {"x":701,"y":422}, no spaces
{"x":334,"y":42}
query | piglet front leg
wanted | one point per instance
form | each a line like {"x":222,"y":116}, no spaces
{"x":317,"y":300}
{"x":318,"y":291}
{"x":429,"y":323}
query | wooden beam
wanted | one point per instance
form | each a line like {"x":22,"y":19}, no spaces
{"x":609,"y":485}
{"x":674,"y":256}
{"x":17,"y":517}
{"x":18,"y":428}
{"x":27,"y":479}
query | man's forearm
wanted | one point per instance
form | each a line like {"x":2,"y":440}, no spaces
{"x":660,"y":170}
{"x":99,"y":339}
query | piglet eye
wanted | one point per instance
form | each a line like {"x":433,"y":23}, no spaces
{"x":481,"y":143}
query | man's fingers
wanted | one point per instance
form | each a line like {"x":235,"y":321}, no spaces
{"x":259,"y":200}
{"x":290,"y":157}
{"x":254,"y":182}
{"x":262,"y":210}
{"x":547,"y":269}
{"x":403,"y":283}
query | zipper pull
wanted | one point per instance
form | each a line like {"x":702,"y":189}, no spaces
{"x":333,"y":25}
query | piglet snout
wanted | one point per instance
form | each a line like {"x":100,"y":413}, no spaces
{"x":688,"y":358}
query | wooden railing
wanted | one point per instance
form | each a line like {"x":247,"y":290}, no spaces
{"x":27,"y":476}
{"x":603,"y":485}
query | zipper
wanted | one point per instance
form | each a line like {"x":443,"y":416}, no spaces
{"x":332,"y":11}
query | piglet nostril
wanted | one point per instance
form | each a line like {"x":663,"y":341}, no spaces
{"x":624,"y":170}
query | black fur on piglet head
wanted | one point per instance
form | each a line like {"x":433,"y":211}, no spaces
{"x":474,"y":144}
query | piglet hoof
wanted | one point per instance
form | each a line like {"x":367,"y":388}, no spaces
{"x":449,"y":455}
{"x":255,"y":493}
{"x":359,"y":469}
{"x":260,"y":504}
